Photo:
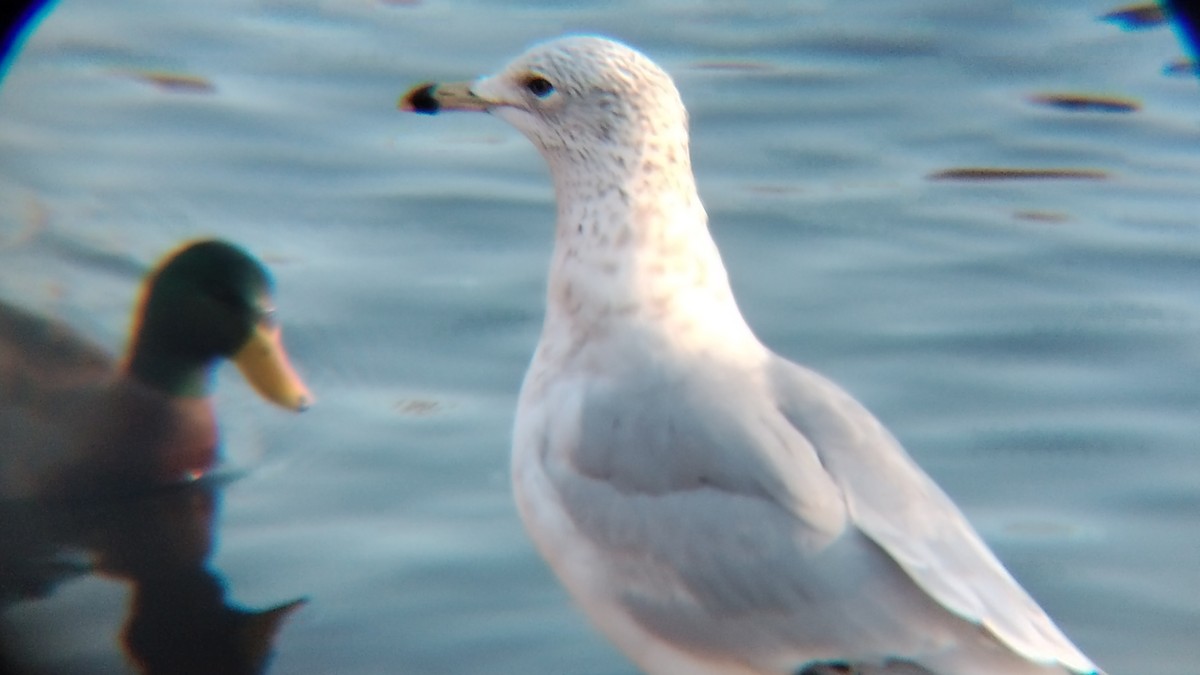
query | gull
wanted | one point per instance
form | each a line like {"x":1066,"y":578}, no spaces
{"x":712,"y":507}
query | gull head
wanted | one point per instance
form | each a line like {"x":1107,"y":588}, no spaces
{"x":574,"y":97}
{"x":632,"y":240}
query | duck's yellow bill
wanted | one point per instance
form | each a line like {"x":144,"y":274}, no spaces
{"x":265,"y":365}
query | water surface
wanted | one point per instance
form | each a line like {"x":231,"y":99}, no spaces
{"x":1032,"y":340}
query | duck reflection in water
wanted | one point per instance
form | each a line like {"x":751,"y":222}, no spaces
{"x":180,"y":620}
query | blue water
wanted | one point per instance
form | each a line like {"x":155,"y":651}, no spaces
{"x":1035,"y":343}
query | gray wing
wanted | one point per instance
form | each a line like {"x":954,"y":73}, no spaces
{"x":722,"y":531}
{"x":899,"y":507}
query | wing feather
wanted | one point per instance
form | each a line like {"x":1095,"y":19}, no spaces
{"x":895,"y":503}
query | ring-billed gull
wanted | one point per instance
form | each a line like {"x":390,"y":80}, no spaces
{"x":714,"y":508}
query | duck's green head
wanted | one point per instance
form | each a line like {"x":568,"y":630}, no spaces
{"x":206,"y":301}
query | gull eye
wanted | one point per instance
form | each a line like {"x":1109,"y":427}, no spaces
{"x":539,"y":86}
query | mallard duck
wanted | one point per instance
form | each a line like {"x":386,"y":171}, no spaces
{"x":73,"y":422}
